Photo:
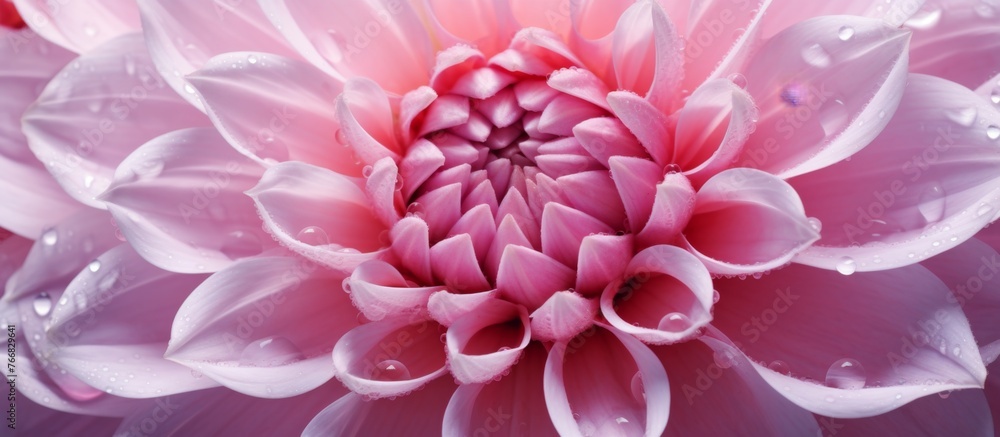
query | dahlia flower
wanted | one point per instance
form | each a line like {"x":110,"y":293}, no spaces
{"x":551,"y":217}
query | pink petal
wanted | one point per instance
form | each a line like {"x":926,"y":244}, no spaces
{"x":37,"y":419}
{"x":586,"y":393}
{"x":529,"y":278}
{"x":484,"y":344}
{"x":828,"y":102}
{"x":602,"y":259}
{"x":418,"y":413}
{"x":454,"y":263}
{"x":136,"y":302}
{"x":964,"y":412}
{"x":30,"y":191}
{"x":382,"y":187}
{"x":563,"y":316}
{"x":955,"y":40}
{"x":636,"y":180}
{"x":264,"y":326}
{"x":486,"y":24}
{"x":747,"y":221}
{"x":379,"y":290}
{"x":273,"y":108}
{"x":178,"y":50}
{"x":606,"y":137}
{"x":179,"y":201}
{"x":712,"y":129}
{"x":929,"y":183}
{"x":720,"y":37}
{"x":411,"y":245}
{"x":784,"y":13}
{"x":671,"y":211}
{"x":796,"y":316}
{"x":513,"y":405}
{"x":563,"y":230}
{"x":356,"y":40}
{"x":581,"y":84}
{"x":222,"y":411}
{"x":319,"y":214}
{"x":80,"y":26}
{"x":646,"y":53}
{"x":97,"y":111}
{"x":446,"y":307}
{"x":712,"y":379}
{"x":664,"y":296}
{"x":593,"y":23}
{"x":645,"y":122}
{"x":391,"y":357}
{"x":366,"y":121}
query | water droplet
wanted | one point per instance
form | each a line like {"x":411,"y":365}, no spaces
{"x":638,"y":390}
{"x":738,"y":79}
{"x":924,"y":20}
{"x":188,"y":88}
{"x":341,"y":137}
{"x":270,"y":352}
{"x":829,"y":399}
{"x":129,"y":65}
{"x":944,"y":394}
{"x":816,"y":56}
{"x":815,"y":224}
{"x":995,"y":97}
{"x":313,"y":236}
{"x":845,"y":33}
{"x":780,"y":367}
{"x":984,"y":209}
{"x":89,"y":30}
{"x":42,"y":304}
{"x":716,"y":296}
{"x":149,"y":169}
{"x":846,"y":266}
{"x":956,"y":351}
{"x":899,"y":396}
{"x":50,"y":237}
{"x":674,"y":322}
{"x":252,"y":59}
{"x":415,"y":209}
{"x":346,"y":285}
{"x":724,"y":359}
{"x":390,"y":370}
{"x":963,"y":116}
{"x":109,"y":280}
{"x":367,"y":171}
{"x":993,"y":132}
{"x":932,"y":203}
{"x":94,"y":266}
{"x":241,"y":244}
{"x":672,"y":169}
{"x":846,"y":374}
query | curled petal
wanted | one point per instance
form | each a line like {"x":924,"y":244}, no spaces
{"x":446,"y":307}
{"x":484,"y":344}
{"x":713,"y":128}
{"x":379,"y":290}
{"x":563,"y":316}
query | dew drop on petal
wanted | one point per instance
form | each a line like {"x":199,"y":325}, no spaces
{"x":674,"y":322}
{"x":780,"y":367}
{"x":847,"y":266}
{"x":390,"y":370}
{"x":815,"y":224}
{"x":252,"y":59}
{"x":313,"y":236}
{"x":984,"y":209}
{"x":845,"y":33}
{"x":738,"y":79}
{"x":50,"y":237}
{"x":846,"y":374}
{"x":346,"y":284}
{"x":816,"y":56}
{"x":270,"y":352}
{"x":94,"y":266}
{"x":924,"y":20}
{"x":638,"y":390}
{"x":963,"y":116}
{"x":241,"y":244}
{"x":42,"y":304}
{"x":367,"y":171}
{"x":993,"y":132}
{"x":995,"y":97}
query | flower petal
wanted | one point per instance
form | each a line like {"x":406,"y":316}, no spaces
{"x":97,"y":111}
{"x":485,"y":344}
{"x":895,"y":356}
{"x":747,"y":221}
{"x":586,"y":393}
{"x":391,"y":357}
{"x":80,"y":26}
{"x":964,"y":412}
{"x":179,"y":201}
{"x":929,"y":182}
{"x":488,"y":25}
{"x":528,"y":277}
{"x":275,"y":109}
{"x":418,"y":413}
{"x":264,"y":326}
{"x":712,"y":129}
{"x":955,"y":40}
{"x":319,"y":214}
{"x":379,"y":290}
{"x":183,"y":35}
{"x":664,"y":296}
{"x":136,"y":302}
{"x":829,"y":101}
{"x":784,"y":13}
{"x":349,"y":39}
{"x":721,"y":35}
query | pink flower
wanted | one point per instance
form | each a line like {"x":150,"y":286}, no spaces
{"x":597,"y":218}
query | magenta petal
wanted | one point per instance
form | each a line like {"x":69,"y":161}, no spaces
{"x":179,"y":201}
{"x":964,"y":412}
{"x":830,"y":101}
{"x":411,"y":244}
{"x":563,"y":316}
{"x":264,"y":326}
{"x":602,"y":260}
{"x":485,"y":344}
{"x":514,"y":405}
{"x":665,"y":296}
{"x":320,"y":214}
{"x":454,"y":263}
{"x":587,"y":393}
{"x":896,"y":357}
{"x":391,"y":357}
{"x":528,"y":277}
{"x":563,"y":230}
{"x":417,"y":413}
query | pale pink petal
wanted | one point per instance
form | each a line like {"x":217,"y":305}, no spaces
{"x":411,"y":245}
{"x":485,"y":344}
{"x":671,"y":212}
{"x":486,"y":24}
{"x":593,"y":23}
{"x":391,"y":357}
{"x":183,"y":35}
{"x":97,"y":111}
{"x":29,"y":190}
{"x":380,"y":291}
{"x":13,"y":252}
{"x":606,"y":137}
{"x":80,"y":26}
{"x":446,"y":307}
{"x":40,"y":419}
{"x":602,"y":259}
{"x":264,"y":326}
{"x":275,"y":109}
{"x":515,"y":405}
{"x":720,"y":37}
{"x":784,"y":13}
{"x":563,"y":230}
{"x":366,"y":121}
{"x":646,"y":53}
{"x":906,"y":349}
{"x":646,"y":122}
{"x":712,"y":129}
{"x":829,"y":98}
{"x":563,"y":315}
{"x":179,"y":201}
{"x":200,"y":412}
{"x":528,"y":277}
{"x":112,"y":352}
{"x":552,"y":15}
{"x":319,"y":214}
{"x":455,"y":264}
{"x":929,"y":183}
{"x":711,"y":379}
{"x":664,"y":296}
{"x":748,"y":221}
{"x":964,"y":412}
{"x":958,"y":40}
{"x":587,"y":393}
{"x":356,"y":40}
{"x":417,"y":413}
